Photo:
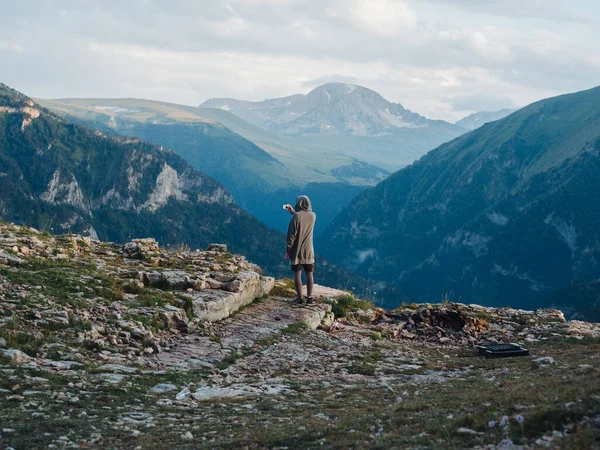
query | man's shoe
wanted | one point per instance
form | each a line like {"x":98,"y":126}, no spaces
{"x":299,"y":301}
{"x":309,"y":300}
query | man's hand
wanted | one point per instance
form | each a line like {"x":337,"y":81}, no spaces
{"x":287,"y":256}
{"x":290,"y":209}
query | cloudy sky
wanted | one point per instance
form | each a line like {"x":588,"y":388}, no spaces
{"x":441,"y":58}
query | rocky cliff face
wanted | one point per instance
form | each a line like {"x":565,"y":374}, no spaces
{"x":106,"y":345}
{"x":500,"y":215}
{"x":73,"y":174}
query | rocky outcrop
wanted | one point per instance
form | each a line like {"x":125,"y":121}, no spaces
{"x":65,"y":190}
{"x":216,"y":304}
{"x":29,"y":112}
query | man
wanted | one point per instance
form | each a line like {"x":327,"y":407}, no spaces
{"x":299,"y":246}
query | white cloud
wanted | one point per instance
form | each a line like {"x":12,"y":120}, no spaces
{"x":436,"y":57}
{"x":11,"y":46}
{"x":385,"y":17}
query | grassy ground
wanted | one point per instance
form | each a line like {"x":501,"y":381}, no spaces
{"x":329,"y":414}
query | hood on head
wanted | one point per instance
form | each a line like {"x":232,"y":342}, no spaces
{"x":303,"y":203}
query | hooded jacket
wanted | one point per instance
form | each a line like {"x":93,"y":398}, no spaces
{"x":300,"y":233}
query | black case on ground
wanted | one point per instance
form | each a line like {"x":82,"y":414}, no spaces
{"x":502,"y":350}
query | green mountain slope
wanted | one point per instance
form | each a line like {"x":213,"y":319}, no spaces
{"x":503,"y":215}
{"x":475,"y":120}
{"x":302,"y":164}
{"x":259,"y":180}
{"x":62,"y":177}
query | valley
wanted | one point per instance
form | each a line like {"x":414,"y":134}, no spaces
{"x":499,"y":216}
{"x":61,"y":177}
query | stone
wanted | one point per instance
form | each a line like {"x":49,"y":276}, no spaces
{"x":585,"y":368}
{"x":214,"y":284}
{"x":175,"y":318}
{"x":187,"y":436}
{"x":177,"y":279}
{"x":163,"y":388}
{"x":132,"y":250}
{"x":153,"y":278}
{"x":219,"y":248}
{"x":213,"y":304}
{"x":11,"y":260}
{"x":111,"y":378}
{"x":407,"y":334}
{"x":117,"y":368}
{"x":200,"y":285}
{"x":542,"y":362}
{"x":17,"y":356}
{"x":184,"y":394}
{"x":464,"y":430}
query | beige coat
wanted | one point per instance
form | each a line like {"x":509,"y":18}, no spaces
{"x":300,"y":233}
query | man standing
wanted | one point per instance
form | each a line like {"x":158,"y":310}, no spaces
{"x":299,"y":246}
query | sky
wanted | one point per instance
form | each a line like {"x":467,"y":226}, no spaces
{"x":441,"y":58}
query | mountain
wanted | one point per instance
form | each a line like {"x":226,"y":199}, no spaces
{"x":475,"y":120}
{"x":506,"y":214}
{"x":63,"y":177}
{"x":261,"y":169}
{"x":348,"y":119}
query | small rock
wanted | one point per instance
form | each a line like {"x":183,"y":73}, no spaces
{"x":221,"y":248}
{"x":6,"y":258}
{"x":163,"y":387}
{"x":184,"y":394}
{"x":187,"y":436}
{"x":407,"y":334}
{"x":17,"y":356}
{"x":542,"y":362}
{"x":585,"y":368}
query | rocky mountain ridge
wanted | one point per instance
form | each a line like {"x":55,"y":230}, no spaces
{"x":348,"y":119}
{"x":334,"y":108}
{"x":499,"y":215}
{"x":110,"y":345}
{"x":476,"y":120}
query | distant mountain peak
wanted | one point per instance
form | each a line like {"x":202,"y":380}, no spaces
{"x":339,"y":89}
{"x":333,"y":109}
{"x":475,"y":120}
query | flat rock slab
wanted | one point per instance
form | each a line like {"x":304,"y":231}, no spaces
{"x":259,"y":321}
{"x":213,"y":304}
{"x":268,"y":318}
{"x":239,"y":390}
{"x":326,"y":292}
{"x":192,"y":351}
